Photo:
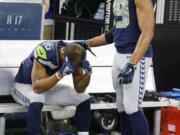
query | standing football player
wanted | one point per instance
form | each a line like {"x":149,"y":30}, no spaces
{"x":132,"y":35}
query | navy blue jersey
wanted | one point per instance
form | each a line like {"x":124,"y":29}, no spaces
{"x":126,"y":31}
{"x":45,"y":53}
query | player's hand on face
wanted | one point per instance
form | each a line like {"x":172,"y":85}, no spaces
{"x":66,"y":69}
{"x":85,"y":65}
{"x":127,"y":74}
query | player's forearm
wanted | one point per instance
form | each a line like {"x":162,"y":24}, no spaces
{"x":98,"y":41}
{"x":43,"y":85}
{"x":142,"y":46}
{"x":146,"y":22}
{"x":82,"y":83}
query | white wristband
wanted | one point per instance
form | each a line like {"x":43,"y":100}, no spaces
{"x":88,"y":44}
{"x":58,"y":77}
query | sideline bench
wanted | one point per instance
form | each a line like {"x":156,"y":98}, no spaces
{"x":13,"y":52}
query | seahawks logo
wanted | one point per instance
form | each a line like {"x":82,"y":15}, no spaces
{"x":41,"y":52}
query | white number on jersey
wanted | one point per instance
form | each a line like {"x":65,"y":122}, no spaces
{"x":121,"y":10}
{"x":48,"y":45}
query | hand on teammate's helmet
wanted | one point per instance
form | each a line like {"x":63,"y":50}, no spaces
{"x":86,"y":46}
{"x":86,"y":66}
{"x":66,"y":69}
{"x":127,"y":74}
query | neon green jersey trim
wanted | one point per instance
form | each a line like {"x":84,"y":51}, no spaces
{"x":41,"y":52}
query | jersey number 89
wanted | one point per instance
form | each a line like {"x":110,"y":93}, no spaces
{"x":121,"y":13}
